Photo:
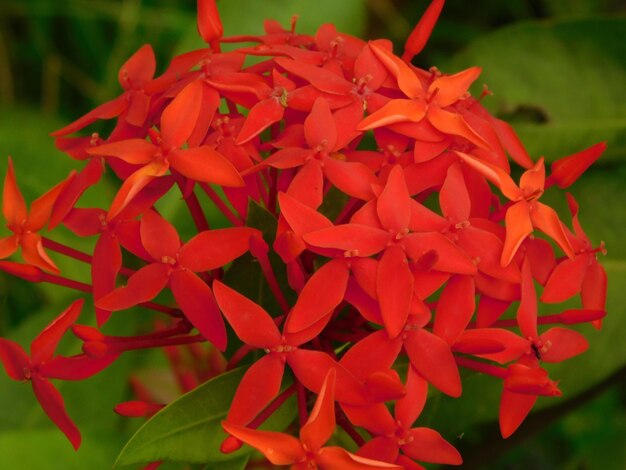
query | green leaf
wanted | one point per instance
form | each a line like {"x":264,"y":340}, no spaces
{"x":561,"y":84}
{"x":189,"y":428}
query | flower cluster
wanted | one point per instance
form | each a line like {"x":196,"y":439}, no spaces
{"x":402,"y":248}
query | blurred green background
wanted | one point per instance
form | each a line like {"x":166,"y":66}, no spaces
{"x":558,"y":73}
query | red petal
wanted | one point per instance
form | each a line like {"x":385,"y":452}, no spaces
{"x":495,"y":174}
{"x":8,"y":246}
{"x":455,"y":308}
{"x":13,"y":204}
{"x":382,"y":448}
{"x":361,"y":240}
{"x":450,"y":258}
{"x":454,"y":198}
{"x":180,"y":116}
{"x":213,"y":249}
{"x":427,"y":445}
{"x":527,"y":311}
{"x":319,"y":126}
{"x":339,"y":458}
{"x":399,"y":110}
{"x":420,"y":34}
{"x":106,"y":263}
{"x":452,"y":123}
{"x":138,"y":69}
{"x":394,"y":288}
{"x":593,"y":294}
{"x":196,"y":301}
{"x":251,"y":323}
{"x":321,"y":423}
{"x":261,"y":116}
{"x":79,"y":367}
{"x":300,"y":217}
{"x":34,"y":254}
{"x":41,"y":207}
{"x":394,"y":203}
{"x":307,"y":186}
{"x":52,"y":403}
{"x":562,"y":344}
{"x":353,"y":178}
{"x":546,"y":219}
{"x":489,"y":310}
{"x":289,"y":157}
{"x":258,"y":387}
{"x":375,"y":352}
{"x":205,"y":164}
{"x":320,"y":78}
{"x":450,"y":88}
{"x":136,"y":151}
{"x":566,"y":279}
{"x":518,"y":227}
{"x":14,"y":359}
{"x":410,"y":407}
{"x":209,"y":22}
{"x":407,"y":80}
{"x":514,"y":407}
{"x":107,"y":110}
{"x":565,"y":171}
{"x":134,"y":184}
{"x":322,"y":293}
{"x":510,"y":346}
{"x":142,"y":286}
{"x":43,"y":346}
{"x":432,"y":358}
{"x":159,"y":237}
{"x":512,"y":143}
{"x":278,"y":448}
{"x":533,"y":180}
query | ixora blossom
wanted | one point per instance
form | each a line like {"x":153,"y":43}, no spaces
{"x":376,"y":293}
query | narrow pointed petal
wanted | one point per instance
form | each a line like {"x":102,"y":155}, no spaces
{"x":138,"y":69}
{"x":565,"y":171}
{"x":455,"y":308}
{"x":353,"y":178}
{"x":375,"y":352}
{"x":594,"y":288}
{"x":394,"y":288}
{"x":394,"y":203}
{"x":136,"y":151}
{"x":278,"y":448}
{"x":134,"y":184}
{"x":289,"y":157}
{"x":52,"y":403}
{"x":381,"y":447}
{"x":41,"y":208}
{"x":205,"y":164}
{"x":486,"y":248}
{"x":9,"y":245}
{"x":510,"y":345}
{"x":43,"y":346}
{"x":339,"y":458}
{"x":432,"y":358}
{"x":107,"y":110}
{"x":180,"y":116}
{"x":307,"y":186}
{"x":14,"y":359}
{"x":34,"y":253}
{"x":106,"y":263}
{"x":13,"y":204}
{"x":420,"y":34}
{"x":213,"y":249}
{"x":361,"y":240}
{"x":566,"y":279}
{"x":399,"y":110}
{"x":409,"y":408}
{"x":301,"y":217}
{"x":142,"y":286}
{"x":527,"y":311}
{"x":533,"y":181}
{"x":452,"y":123}
{"x":261,"y":116}
{"x":196,"y":300}
{"x":320,"y":78}
{"x":514,"y":407}
{"x":495,"y":174}
{"x":319,"y":126}
{"x":562,"y":344}
{"x":258,"y":387}
{"x":79,"y":367}
{"x":547,"y":220}
{"x":321,"y":423}
{"x":454,"y":198}
{"x":158,"y":236}
{"x":251,"y":323}
{"x":427,"y":445}
{"x":450,"y":88}
{"x":518,"y":226}
{"x":512,"y":143}
{"x":322,"y":293}
{"x":449,"y":257}
{"x":406,"y":78}
{"x":209,"y":22}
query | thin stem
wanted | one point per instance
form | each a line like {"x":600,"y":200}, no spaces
{"x":273,"y":406}
{"x":347,"y":426}
{"x":155,"y":343}
{"x":238,"y":356}
{"x":228,"y":213}
{"x":302,"y":411}
{"x":273,"y":191}
{"x":195,"y":209}
{"x":270,"y":277}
